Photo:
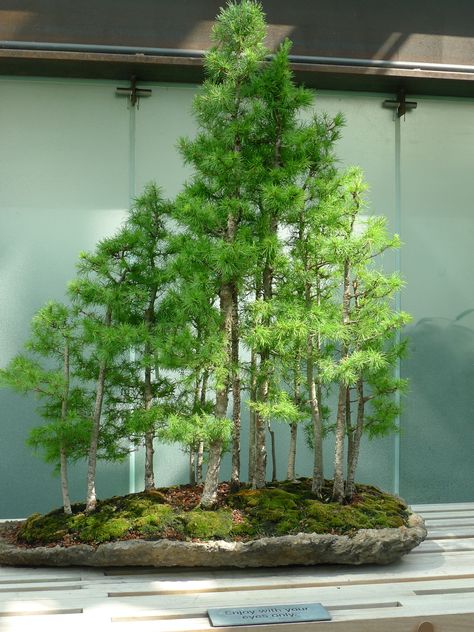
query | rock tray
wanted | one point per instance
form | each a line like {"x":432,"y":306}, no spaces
{"x":367,"y":546}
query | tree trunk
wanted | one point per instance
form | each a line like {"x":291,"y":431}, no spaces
{"x":314,"y":402}
{"x":349,"y":429}
{"x":150,"y":433}
{"x":199,"y":460}
{"x":64,"y":482}
{"x":338,"y":488}
{"x":192,"y":465}
{"x":273,"y":445}
{"x":291,"y":473}
{"x":252,"y":414}
{"x":200,"y":446}
{"x":149,"y":318}
{"x":149,"y":457}
{"x":260,"y":451}
{"x":357,"y":435}
{"x":318,"y":477}
{"x":209,"y":494}
{"x":260,"y":425}
{"x":91,"y":499}
{"x":62,"y":451}
{"x":235,"y":473}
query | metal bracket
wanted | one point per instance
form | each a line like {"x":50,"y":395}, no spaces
{"x":133,"y":93}
{"x":400,"y":104}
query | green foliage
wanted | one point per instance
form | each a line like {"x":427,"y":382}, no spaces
{"x":64,"y":402}
{"x":190,"y":430}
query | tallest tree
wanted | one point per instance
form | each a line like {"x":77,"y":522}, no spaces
{"x":214,"y":209}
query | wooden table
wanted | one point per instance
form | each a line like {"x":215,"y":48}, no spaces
{"x":432,"y":589}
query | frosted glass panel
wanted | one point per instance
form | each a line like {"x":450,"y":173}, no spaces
{"x":437,"y":160}
{"x":64,"y":184}
{"x":161,"y":120}
{"x":368,"y":140}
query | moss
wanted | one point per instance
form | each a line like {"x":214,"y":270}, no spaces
{"x":38,"y":529}
{"x":282,"y":508}
{"x":268,"y":498}
{"x":157,"y":521}
{"x":98,"y":529}
{"x":290,"y":523}
{"x":208,"y":524}
{"x":244,"y":529}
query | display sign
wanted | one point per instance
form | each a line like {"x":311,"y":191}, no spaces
{"x":254,"y":615}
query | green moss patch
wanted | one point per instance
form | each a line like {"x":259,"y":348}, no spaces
{"x":282,"y":508}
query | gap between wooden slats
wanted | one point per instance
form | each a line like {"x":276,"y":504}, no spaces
{"x":35,"y":613}
{"x":40,"y":580}
{"x":23,"y":589}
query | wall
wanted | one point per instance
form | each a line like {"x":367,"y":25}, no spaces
{"x":72,"y":157}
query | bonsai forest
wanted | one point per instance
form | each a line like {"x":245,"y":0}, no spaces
{"x":258,"y":292}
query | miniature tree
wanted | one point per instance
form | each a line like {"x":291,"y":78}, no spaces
{"x":145,"y":397}
{"x":98,"y":298}
{"x":49,"y":375}
{"x":309,"y":283}
{"x":363,"y":364}
{"x":214,"y":205}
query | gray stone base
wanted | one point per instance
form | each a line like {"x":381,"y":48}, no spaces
{"x":368,"y":546}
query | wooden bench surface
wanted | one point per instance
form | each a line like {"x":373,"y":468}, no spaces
{"x":432,"y":585}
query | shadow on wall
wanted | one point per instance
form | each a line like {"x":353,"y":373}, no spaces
{"x":437,"y":439}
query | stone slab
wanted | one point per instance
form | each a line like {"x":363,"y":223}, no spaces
{"x":367,"y":546}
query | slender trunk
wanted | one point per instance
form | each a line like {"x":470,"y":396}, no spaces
{"x":352,"y":462}
{"x":91,"y":499}
{"x":64,"y":481}
{"x":291,"y":473}
{"x":253,"y":397}
{"x":260,"y":446}
{"x":149,"y":457}
{"x":149,"y":435}
{"x":200,"y":447}
{"x":263,"y":390}
{"x":235,"y":473}
{"x":314,"y":403}
{"x":349,"y":429}
{"x":209,"y":494}
{"x":199,"y":461}
{"x":203,"y":394}
{"x":149,"y":318}
{"x":273,"y":446}
{"x":62,"y":451}
{"x":192,"y":465}
{"x":338,"y":488}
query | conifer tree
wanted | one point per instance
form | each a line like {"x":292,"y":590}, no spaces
{"x":309,"y":282}
{"x":147,"y":394}
{"x":48,"y":372}
{"x":214,"y":205}
{"x":363,"y":364}
{"x":105,"y":335}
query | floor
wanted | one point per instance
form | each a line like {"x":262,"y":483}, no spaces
{"x":430,"y":590}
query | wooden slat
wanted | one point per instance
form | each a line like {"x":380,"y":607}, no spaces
{"x":423,"y":509}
